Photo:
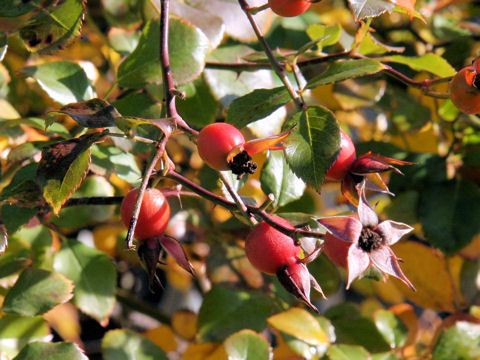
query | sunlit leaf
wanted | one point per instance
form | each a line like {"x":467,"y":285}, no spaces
{"x":125,"y":344}
{"x":54,"y":28}
{"x":65,"y":82}
{"x":427,"y":270}
{"x":93,"y":294}
{"x":432,"y":63}
{"x":64,"y":166}
{"x":163,"y":337}
{"x":17,"y":331}
{"x":328,"y":35}
{"x":300,"y":324}
{"x":277,"y":179}
{"x":313,"y":145}
{"x":37,"y":291}
{"x":342,"y":70}
{"x":247,"y":345}
{"x":188,"y":47}
{"x":391,"y":327}
{"x":460,"y":341}
{"x":112,"y":160}
{"x":53,"y":351}
{"x":347,"y":352}
{"x":369,"y":8}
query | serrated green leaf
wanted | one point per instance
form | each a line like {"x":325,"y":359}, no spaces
{"x":313,"y":145}
{"x":432,"y":63}
{"x":188,"y":47}
{"x":278,"y":179}
{"x":51,"y":351}
{"x":126,"y":345}
{"x":17,"y":331}
{"x":94,"y":113}
{"x":64,"y":166}
{"x":36,"y":292}
{"x":445,"y":211}
{"x":347,"y":352}
{"x":12,"y":263}
{"x":247,"y":345}
{"x":391,"y":327}
{"x":93,"y":294}
{"x":14,"y":216}
{"x":225,"y":311}
{"x":256,"y":105}
{"x":343,"y":70}
{"x":371,"y":46}
{"x":460,"y":341}
{"x":300,"y":324}
{"x":55,"y":27}
{"x":65,"y":82}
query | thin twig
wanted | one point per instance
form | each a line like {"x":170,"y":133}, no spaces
{"x":279,"y":70}
{"x":94,"y":200}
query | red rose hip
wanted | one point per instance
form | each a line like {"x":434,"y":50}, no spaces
{"x":154,"y":213}
{"x":269,"y":249}
{"x":344,"y":160}
{"x":288,"y":8}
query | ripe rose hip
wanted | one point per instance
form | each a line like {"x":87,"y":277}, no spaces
{"x":223,"y":147}
{"x":154,"y":213}
{"x":344,"y":160}
{"x":216,"y":141}
{"x":464,"y":89}
{"x":268,"y":249}
{"x":288,"y":8}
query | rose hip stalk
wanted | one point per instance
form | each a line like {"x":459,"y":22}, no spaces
{"x":273,"y":252}
{"x":352,"y":170}
{"x":356,"y":243}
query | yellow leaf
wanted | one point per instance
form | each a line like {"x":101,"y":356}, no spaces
{"x":64,"y":319}
{"x":206,"y":351}
{"x":300,"y":324}
{"x":163,"y":337}
{"x":436,"y":280}
{"x":184,"y":323}
{"x":472,"y":250}
{"x":105,"y":238}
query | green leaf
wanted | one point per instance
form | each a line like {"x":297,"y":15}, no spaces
{"x":36,"y":292}
{"x":346,"y":69}
{"x":226,"y":85}
{"x":55,"y":28}
{"x":94,"y":113}
{"x":468,"y":281}
{"x":432,"y":63}
{"x":371,"y":46}
{"x":369,"y":8}
{"x":65,"y":82}
{"x":64,"y":166}
{"x":391,"y":327}
{"x":112,"y":160}
{"x":209,"y":22}
{"x":93,"y":294}
{"x":300,"y":324}
{"x":226,"y":311}
{"x":188,"y":47}
{"x":446,"y":210}
{"x":460,"y":341}
{"x":407,"y":113}
{"x":51,"y":351}
{"x":256,"y":105}
{"x":123,"y":41}
{"x":39,"y":240}
{"x":14,"y":8}
{"x":200,"y":107}
{"x":12,"y":263}
{"x":327,"y":35}
{"x":126,"y":345}
{"x":17,"y":331}
{"x":347,"y":352}
{"x":14,"y":216}
{"x":247,"y":345}
{"x":139,"y":105}
{"x":447,"y":29}
{"x":313,"y":145}
{"x":278,"y":179}
{"x":352,"y":329}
